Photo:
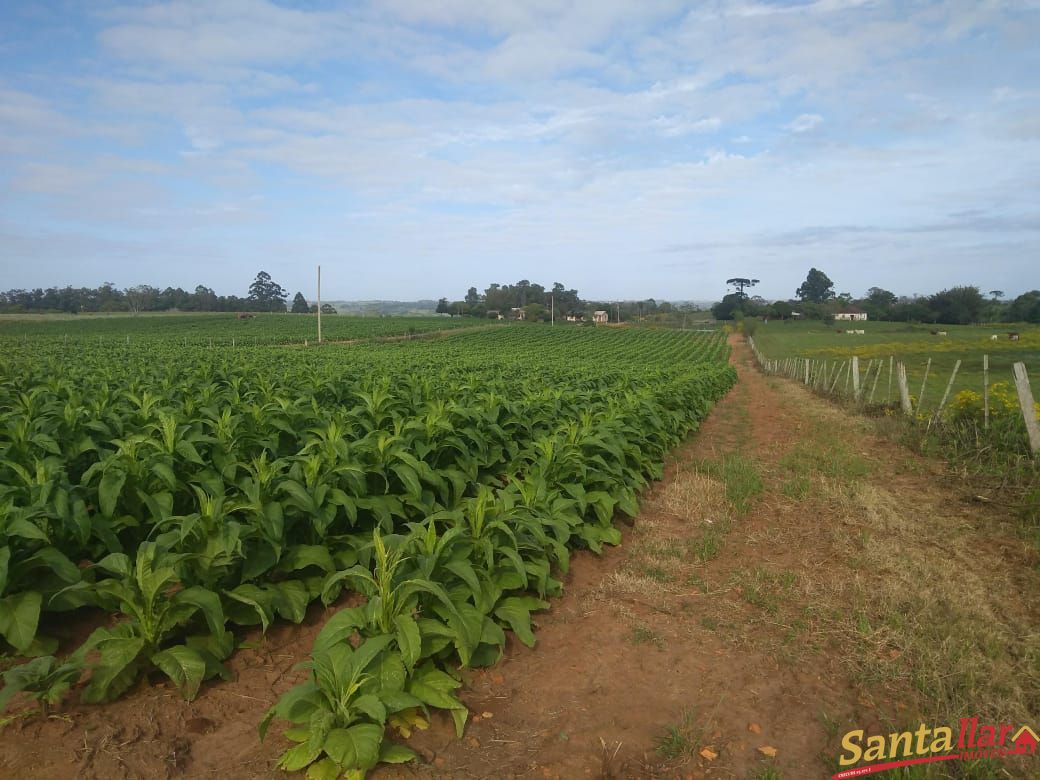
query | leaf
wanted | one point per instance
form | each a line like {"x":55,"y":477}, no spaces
{"x":435,"y":688}
{"x":185,"y":667}
{"x":5,"y":559}
{"x":261,"y":601}
{"x":338,"y":628}
{"x":372,"y":706}
{"x":390,"y":675}
{"x":326,"y":769}
{"x":291,"y":599}
{"x":301,"y":556}
{"x":109,"y":488}
{"x":187,"y":451}
{"x":56,"y":561}
{"x":516,"y":611}
{"x":19,"y":618}
{"x":165,"y":473}
{"x":709,"y":754}
{"x":767,"y":750}
{"x":117,"y":669}
{"x":25,"y":529}
{"x":208,"y":602}
{"x":409,"y":478}
{"x":116,"y":563}
{"x":409,"y":639}
{"x":296,"y":758}
{"x":392,"y":753}
{"x":356,"y":747}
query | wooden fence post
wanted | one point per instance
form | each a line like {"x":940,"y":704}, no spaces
{"x":949,"y":386}
{"x":1025,"y":400}
{"x":855,"y":378}
{"x":888,"y":393}
{"x":904,"y":391}
{"x":873,"y":387}
{"x":985,"y":392}
{"x":920,"y":396}
{"x":837,"y":376}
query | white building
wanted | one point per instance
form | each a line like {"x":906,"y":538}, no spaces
{"x":851,"y":314}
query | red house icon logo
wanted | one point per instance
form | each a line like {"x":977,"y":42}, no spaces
{"x":1025,"y":741}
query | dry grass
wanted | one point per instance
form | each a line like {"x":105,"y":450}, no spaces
{"x":693,"y":497}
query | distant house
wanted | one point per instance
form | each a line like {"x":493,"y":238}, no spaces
{"x":600,"y":317}
{"x":494,"y":314}
{"x":851,"y":313}
{"x":574,"y":318}
{"x":517,"y":313}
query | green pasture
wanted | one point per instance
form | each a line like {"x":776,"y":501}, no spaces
{"x":912,"y":344}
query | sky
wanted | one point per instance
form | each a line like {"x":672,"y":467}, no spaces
{"x":626,"y":148}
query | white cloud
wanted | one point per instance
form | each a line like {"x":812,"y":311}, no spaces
{"x":803,"y":123}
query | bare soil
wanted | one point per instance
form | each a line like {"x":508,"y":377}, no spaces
{"x":726,"y":637}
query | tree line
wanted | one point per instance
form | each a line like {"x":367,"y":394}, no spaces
{"x":541,"y":303}
{"x":815,"y":299}
{"x":264,"y":294}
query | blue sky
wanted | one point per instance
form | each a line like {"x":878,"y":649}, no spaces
{"x":628,"y":148}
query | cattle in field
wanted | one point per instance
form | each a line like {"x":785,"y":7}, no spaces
{"x":993,"y":337}
{"x":245,"y":315}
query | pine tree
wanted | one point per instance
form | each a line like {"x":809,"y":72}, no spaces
{"x":299,"y":304}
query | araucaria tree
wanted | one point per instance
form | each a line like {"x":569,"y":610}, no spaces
{"x":740,"y":283}
{"x":266,"y":294}
{"x":817,"y":287}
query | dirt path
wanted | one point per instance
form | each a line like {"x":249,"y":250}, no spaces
{"x":792,"y":577}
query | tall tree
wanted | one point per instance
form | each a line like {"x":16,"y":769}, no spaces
{"x":957,"y":305}
{"x":1025,"y":308}
{"x":267,"y":294}
{"x":143,"y":297}
{"x":442,"y":306}
{"x":817,"y":287}
{"x":299,"y":304}
{"x":740,"y":283}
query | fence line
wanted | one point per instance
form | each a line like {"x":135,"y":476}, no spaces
{"x":825,"y":380}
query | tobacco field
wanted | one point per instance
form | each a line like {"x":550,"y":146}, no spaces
{"x":194,"y":494}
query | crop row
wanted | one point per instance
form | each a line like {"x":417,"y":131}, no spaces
{"x":220,"y":329}
{"x":189,"y":491}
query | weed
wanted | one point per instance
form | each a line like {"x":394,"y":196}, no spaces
{"x":830,"y":725}
{"x":739,"y":475}
{"x":797,"y":487}
{"x":679,"y":740}
{"x":642,"y":635}
{"x":707,"y":546}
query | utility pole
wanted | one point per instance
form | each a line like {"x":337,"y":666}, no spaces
{"x":619,"y":312}
{"x":552,"y":308}
{"x":319,"y":304}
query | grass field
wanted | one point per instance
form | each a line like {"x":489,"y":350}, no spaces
{"x":221,"y":328}
{"x":914,"y":345}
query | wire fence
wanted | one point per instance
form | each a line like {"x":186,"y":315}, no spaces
{"x":882,"y":383}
